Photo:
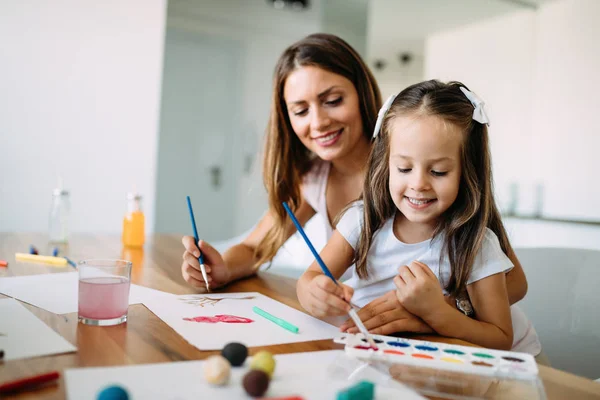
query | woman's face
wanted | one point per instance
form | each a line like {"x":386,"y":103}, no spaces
{"x":324,"y":112}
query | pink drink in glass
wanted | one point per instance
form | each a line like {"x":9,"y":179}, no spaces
{"x":103,"y":297}
{"x":104,"y":291}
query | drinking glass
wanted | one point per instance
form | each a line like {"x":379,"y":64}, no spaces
{"x":104,"y":291}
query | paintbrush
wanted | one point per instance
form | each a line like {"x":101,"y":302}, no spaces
{"x":361,"y":327}
{"x":201,"y":258}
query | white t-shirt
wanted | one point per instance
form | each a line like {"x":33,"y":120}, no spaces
{"x":387,"y":254}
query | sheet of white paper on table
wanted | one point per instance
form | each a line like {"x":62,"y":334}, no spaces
{"x":57,"y":292}
{"x":23,"y":335}
{"x":261,"y":332}
{"x":300,"y":374}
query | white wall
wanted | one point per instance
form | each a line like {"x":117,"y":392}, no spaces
{"x":79,"y":97}
{"x":565,"y":107}
{"x":495,"y":59}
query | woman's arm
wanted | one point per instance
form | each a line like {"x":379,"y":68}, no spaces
{"x":419,"y":292}
{"x":240,"y":260}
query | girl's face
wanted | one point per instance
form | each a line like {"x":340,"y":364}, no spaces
{"x":324,"y":112}
{"x":425,"y":167}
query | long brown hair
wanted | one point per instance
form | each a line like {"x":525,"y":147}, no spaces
{"x":286,"y":159}
{"x":464,"y":223}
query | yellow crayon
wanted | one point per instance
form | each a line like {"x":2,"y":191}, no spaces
{"x":57,"y":261}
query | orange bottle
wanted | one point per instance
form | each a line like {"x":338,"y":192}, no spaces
{"x":133,"y":223}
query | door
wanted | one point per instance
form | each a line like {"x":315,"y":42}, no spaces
{"x":198,"y":134}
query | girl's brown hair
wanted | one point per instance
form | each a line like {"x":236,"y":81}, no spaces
{"x":286,"y":159}
{"x":464,"y":223}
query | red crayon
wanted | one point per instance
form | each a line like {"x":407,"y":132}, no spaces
{"x":27,"y":383}
{"x":284,"y":398}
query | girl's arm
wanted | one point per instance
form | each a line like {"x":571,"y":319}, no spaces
{"x":317,"y":293}
{"x":419,"y":291}
{"x":516,"y":282}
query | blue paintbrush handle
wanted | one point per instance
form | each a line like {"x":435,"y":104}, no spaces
{"x":189,"y":203}
{"x":326,"y":271}
{"x":310,"y":246}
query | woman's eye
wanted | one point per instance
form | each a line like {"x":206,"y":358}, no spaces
{"x":300,"y":112}
{"x":438,"y":173}
{"x":404,"y":170}
{"x":334,"y":102}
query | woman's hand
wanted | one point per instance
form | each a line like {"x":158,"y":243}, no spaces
{"x":321,"y":297}
{"x":419,"y":290}
{"x":385,"y":315}
{"x":216,"y":270}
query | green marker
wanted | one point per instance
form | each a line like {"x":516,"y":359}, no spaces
{"x":278,"y":321}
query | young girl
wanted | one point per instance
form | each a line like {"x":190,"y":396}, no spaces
{"x":427,"y":223}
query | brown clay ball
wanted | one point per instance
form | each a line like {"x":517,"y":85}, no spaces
{"x":256,"y":382}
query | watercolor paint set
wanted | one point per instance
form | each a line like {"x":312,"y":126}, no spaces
{"x":449,"y":370}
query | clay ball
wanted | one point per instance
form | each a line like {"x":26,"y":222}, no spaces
{"x":264,"y":361}
{"x":235,"y":353}
{"x":216,"y":370}
{"x":113,"y":393}
{"x":256,"y":383}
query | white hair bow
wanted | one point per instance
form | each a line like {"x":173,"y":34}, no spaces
{"x":479,"y":114}
{"x":384,"y":109}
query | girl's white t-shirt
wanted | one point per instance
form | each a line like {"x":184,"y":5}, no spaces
{"x":387,"y":254}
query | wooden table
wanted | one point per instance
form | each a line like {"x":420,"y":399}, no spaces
{"x":145,"y":338}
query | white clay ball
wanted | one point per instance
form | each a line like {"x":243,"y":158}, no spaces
{"x":217,"y":370}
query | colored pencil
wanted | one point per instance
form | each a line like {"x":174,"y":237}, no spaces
{"x":282,"y":323}
{"x":30,"y":382}
{"x":56,"y":261}
{"x":352,"y":312}
{"x":201,"y":258}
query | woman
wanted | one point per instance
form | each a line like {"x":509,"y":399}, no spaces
{"x":324,"y":107}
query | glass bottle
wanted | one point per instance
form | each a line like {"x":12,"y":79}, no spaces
{"x":59,"y":216}
{"x":133,"y":223}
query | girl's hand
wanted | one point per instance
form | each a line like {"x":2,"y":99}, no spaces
{"x":323,"y":298}
{"x":386,"y":315}
{"x":216,"y":270}
{"x":419,"y":290}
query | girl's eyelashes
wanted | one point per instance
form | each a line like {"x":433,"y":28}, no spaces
{"x":434,"y":173}
{"x":438,"y":173}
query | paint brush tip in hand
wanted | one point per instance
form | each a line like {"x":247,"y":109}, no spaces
{"x":204,"y":276}
{"x":361,"y":327}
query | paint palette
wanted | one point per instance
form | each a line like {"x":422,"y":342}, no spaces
{"x":441,"y":356}
{"x":447,"y":370}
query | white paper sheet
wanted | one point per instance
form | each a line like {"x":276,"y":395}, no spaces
{"x":58,"y":292}
{"x":261,"y":332}
{"x":23,"y":335}
{"x":301,"y":374}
